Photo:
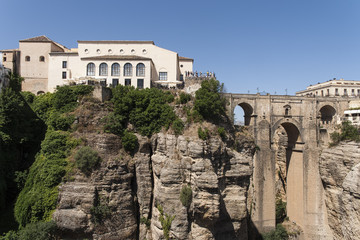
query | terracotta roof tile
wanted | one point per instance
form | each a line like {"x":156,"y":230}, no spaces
{"x":37,"y":39}
{"x":185,"y":58}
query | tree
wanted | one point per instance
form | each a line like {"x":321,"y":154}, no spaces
{"x":208,"y":100}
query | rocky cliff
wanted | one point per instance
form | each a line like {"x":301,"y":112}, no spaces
{"x":131,"y":197}
{"x":340,"y":173}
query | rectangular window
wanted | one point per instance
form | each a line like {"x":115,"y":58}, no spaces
{"x":358,"y":92}
{"x":345,"y":92}
{"x":336,"y":92}
{"x":322,"y":93}
{"x":127,"y":82}
{"x":64,"y":64}
{"x":63,"y":75}
{"x":4,"y":59}
{"x":140,"y":83}
{"x":328,"y":92}
{"x":115,"y":82}
{"x":163,"y":76}
{"x":353,"y":92}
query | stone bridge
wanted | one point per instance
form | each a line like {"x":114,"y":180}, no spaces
{"x":307,"y":122}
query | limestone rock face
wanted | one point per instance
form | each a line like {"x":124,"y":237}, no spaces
{"x":122,"y":198}
{"x":219,"y":178}
{"x":340,"y":173}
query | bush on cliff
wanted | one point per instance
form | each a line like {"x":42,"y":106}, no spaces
{"x":347,"y":132}
{"x":186,"y":196}
{"x":208,"y":100}
{"x":86,"y":159}
{"x":146,"y":109}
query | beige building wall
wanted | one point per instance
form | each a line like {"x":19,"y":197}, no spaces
{"x":164,"y":60}
{"x":40,"y":61}
{"x":77,"y":67}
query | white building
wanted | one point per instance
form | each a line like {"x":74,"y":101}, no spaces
{"x":45,"y":64}
{"x":333,"y":88}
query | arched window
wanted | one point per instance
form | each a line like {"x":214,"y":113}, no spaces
{"x":42,"y":59}
{"x":128,"y":69}
{"x":103,"y":69}
{"x":90,"y":69}
{"x":140,"y":70}
{"x":115,"y":69}
{"x":27,"y":58}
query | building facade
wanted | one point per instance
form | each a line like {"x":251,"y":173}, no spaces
{"x":333,"y":88}
{"x":45,"y":64}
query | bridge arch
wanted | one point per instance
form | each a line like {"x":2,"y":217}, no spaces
{"x":290,"y":169}
{"x":327,"y":114}
{"x":248,"y":111}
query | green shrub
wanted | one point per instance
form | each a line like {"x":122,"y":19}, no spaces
{"x":58,"y":121}
{"x":147,"y":222}
{"x":348,"y":132}
{"x":28,"y":96}
{"x":279,"y":233}
{"x":129,"y":142}
{"x":178,"y":126}
{"x":204,"y":135}
{"x":165,"y":221}
{"x":280,"y":210}
{"x":186,"y":196}
{"x":38,"y":231}
{"x":208,"y":100}
{"x":184,"y":98}
{"x":86,"y":159}
{"x":100,"y":211}
{"x":11,"y":235}
{"x":147,"y":110}
{"x":222,"y":133}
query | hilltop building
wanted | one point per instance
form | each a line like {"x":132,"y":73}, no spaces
{"x":333,"y":88}
{"x":45,"y":64}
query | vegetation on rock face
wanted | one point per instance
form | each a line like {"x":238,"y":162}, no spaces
{"x":203,"y":134}
{"x":21,"y":132}
{"x":100,"y":211}
{"x":183,"y":98}
{"x":208,"y":101}
{"x":347,"y":132}
{"x":279,"y":233}
{"x":186,"y":196}
{"x":129,"y":142}
{"x":146,"y":109}
{"x":38,"y":198}
{"x":178,"y":126}
{"x":280,"y":209}
{"x":34,"y":231}
{"x":86,"y":159}
{"x":165,"y":221}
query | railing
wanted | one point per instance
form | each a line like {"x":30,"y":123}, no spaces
{"x":199,"y":75}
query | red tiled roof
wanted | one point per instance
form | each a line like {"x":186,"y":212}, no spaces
{"x":42,"y":38}
{"x":185,"y":59}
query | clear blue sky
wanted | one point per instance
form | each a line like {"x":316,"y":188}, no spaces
{"x":272,"y":45}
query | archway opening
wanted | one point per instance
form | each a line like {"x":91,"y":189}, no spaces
{"x":242,"y":113}
{"x":288,"y":148}
{"x":327,"y":114}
